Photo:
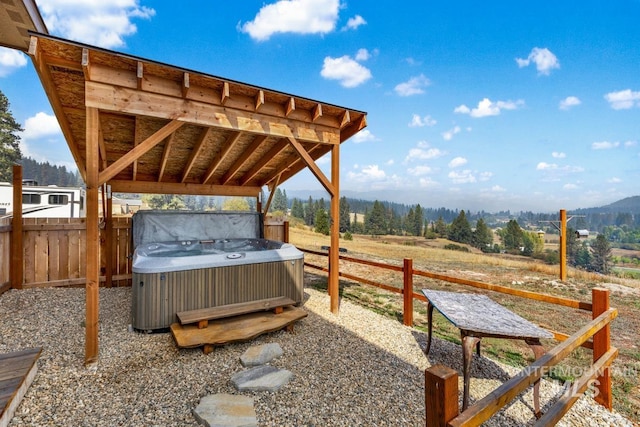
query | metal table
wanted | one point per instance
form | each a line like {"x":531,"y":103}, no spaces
{"x":477,"y":316}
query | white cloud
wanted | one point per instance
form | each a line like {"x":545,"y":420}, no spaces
{"x":448,"y":135}
{"x":604,"y":145}
{"x":346,"y":70}
{"x":556,"y":169}
{"x":422,"y":153}
{"x":354,"y":23}
{"x":293,"y":16}
{"x":457,"y":162}
{"x":544,"y":59}
{"x":363,"y":54}
{"x":486,"y":107}
{"x":498,"y":189}
{"x":546,"y":166}
{"x":427,"y":182}
{"x":364,"y":135}
{"x":623,"y":100}
{"x":462,"y":177}
{"x":103,"y":24}
{"x":570,"y":187}
{"x":558,"y":155}
{"x":40,"y":126}
{"x":414,"y":86}
{"x":420,"y":170}
{"x":417,"y":121}
{"x":568,"y":102}
{"x":614,"y":180}
{"x":630,"y":143}
{"x":367,"y":174}
{"x":486,"y":176}
{"x":11,"y":60}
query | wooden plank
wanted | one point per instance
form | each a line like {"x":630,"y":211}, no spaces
{"x":601,"y":345}
{"x":53,"y":247}
{"x":17,"y":235}
{"x":440,"y":395}
{"x":229,"y":310}
{"x":17,"y":372}
{"x":238,"y":328}
{"x":29,"y":253}
{"x":312,"y":165}
{"x":41,"y":257}
{"x":222,"y":153}
{"x":248,"y":152}
{"x":146,"y":187}
{"x":74,"y":255}
{"x":195,"y":152}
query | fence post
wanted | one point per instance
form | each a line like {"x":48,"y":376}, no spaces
{"x":602,"y":344}
{"x":440,"y":395}
{"x":407,"y":292}
{"x":16,"y":266}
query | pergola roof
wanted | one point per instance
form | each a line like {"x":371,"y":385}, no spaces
{"x":17,"y":18}
{"x":165,"y":129}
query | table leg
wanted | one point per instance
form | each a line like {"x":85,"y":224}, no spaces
{"x":468,"y":343}
{"x":430,"y":325}
{"x":538,"y":351}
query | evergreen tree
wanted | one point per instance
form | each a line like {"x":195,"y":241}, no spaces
{"x":582,"y":256}
{"x":9,"y":141}
{"x":345,"y":212}
{"x":440,"y":227}
{"x":279,"y":202}
{"x":601,"y":252}
{"x":309,"y":212}
{"x":297,"y":209}
{"x":418,"y":219}
{"x":322,"y":222}
{"x":374,"y":221}
{"x":482,"y":236}
{"x":512,"y":236}
{"x":460,"y":230}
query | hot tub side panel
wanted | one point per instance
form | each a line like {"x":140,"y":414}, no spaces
{"x":157,"y":297}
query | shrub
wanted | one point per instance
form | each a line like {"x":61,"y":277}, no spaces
{"x":347,"y":236}
{"x":454,"y":247}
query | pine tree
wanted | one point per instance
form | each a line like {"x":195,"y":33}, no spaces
{"x":279,"y":202}
{"x":345,"y":212}
{"x":482,"y":236}
{"x":322,"y":222}
{"x":374,"y":221}
{"x":460,"y":230}
{"x":601,"y":250}
{"x":297,"y":210}
{"x":512,"y":237}
{"x":9,"y":141}
{"x":309,"y":212}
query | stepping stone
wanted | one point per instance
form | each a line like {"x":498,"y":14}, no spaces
{"x":261,"y":378}
{"x":260,"y":354}
{"x":226,"y":410}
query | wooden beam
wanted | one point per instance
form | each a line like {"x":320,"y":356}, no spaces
{"x":112,"y":98}
{"x":271,"y":194}
{"x":246,"y":153}
{"x":224,"y":150}
{"x":16,"y":268}
{"x":139,"y":151}
{"x":346,"y":119}
{"x":92,"y":261}
{"x":334,"y":218}
{"x":165,"y":155}
{"x":224,"y":94}
{"x":290,"y":107}
{"x":195,"y":152}
{"x":259,"y":99}
{"x":50,"y":89}
{"x":153,"y":187}
{"x":139,"y":75}
{"x":264,"y":160}
{"x":102,"y":148}
{"x":354,"y":128}
{"x":317,"y":113}
{"x":185,"y":85}
{"x":86,"y":64}
{"x":312,"y":165}
{"x":296,"y":166}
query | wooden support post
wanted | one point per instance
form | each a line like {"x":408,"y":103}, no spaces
{"x":285,"y":237}
{"x":440,"y":395}
{"x":16,"y":268}
{"x":407,"y":292}
{"x":601,"y":345}
{"x":93,"y":239}
{"x":334,"y":253}
{"x":108,"y":236}
{"x":563,"y":244}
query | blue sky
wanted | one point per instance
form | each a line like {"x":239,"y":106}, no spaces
{"x":471,"y":105}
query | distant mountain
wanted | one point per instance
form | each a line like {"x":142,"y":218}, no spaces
{"x":627,"y":205}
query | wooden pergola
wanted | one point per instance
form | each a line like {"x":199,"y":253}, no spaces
{"x":139,"y":126}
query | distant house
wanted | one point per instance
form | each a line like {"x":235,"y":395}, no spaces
{"x":582,"y":234}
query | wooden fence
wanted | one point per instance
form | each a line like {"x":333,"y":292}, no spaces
{"x":441,"y":383}
{"x":54,"y":251}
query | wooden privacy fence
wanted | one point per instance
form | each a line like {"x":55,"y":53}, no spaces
{"x":441,"y":383}
{"x":54,"y":252}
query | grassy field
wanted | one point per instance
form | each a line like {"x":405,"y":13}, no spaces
{"x":499,"y":269}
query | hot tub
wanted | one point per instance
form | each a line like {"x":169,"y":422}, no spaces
{"x":172,"y":276}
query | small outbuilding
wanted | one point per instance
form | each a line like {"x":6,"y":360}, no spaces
{"x":582,"y":234}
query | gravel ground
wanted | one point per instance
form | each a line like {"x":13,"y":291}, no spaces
{"x":357,"y":368}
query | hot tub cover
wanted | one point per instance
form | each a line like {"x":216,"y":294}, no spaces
{"x":164,"y":226}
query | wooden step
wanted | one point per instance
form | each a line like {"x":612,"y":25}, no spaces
{"x":203,"y":315}
{"x":232,"y":329}
{"x":17,"y":372}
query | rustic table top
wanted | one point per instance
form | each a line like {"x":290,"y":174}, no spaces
{"x":479,"y":314}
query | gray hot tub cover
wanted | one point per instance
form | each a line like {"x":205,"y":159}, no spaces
{"x":163,"y":226}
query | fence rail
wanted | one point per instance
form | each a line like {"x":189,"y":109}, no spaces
{"x":441,"y":383}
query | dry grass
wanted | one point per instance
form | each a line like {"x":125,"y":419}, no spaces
{"x":506,"y":270}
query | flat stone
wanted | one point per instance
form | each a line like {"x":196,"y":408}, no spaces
{"x":260,"y":354}
{"x":261,"y":378}
{"x":226,"y":410}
